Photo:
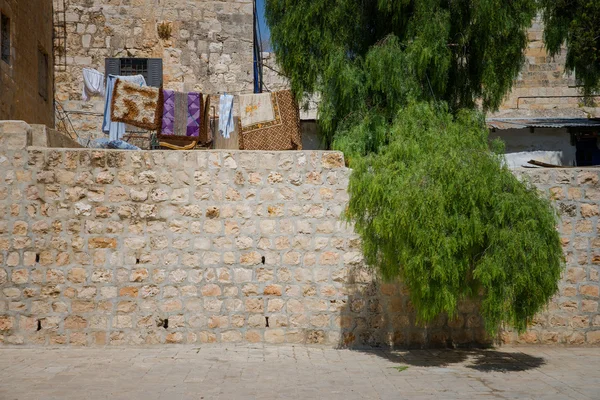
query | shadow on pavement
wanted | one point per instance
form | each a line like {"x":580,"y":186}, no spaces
{"x":498,"y":361}
{"x":483,"y":360}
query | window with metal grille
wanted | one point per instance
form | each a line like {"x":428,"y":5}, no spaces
{"x":134,"y":66}
{"x":149,"y":68}
{"x":5,"y":38}
{"x":43,"y":73}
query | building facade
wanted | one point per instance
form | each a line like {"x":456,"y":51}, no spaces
{"x":544,"y":118}
{"x":543,"y":88}
{"x":26,"y":60}
{"x":205,"y":46}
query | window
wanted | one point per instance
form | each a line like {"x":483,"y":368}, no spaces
{"x":149,"y":68}
{"x":43,"y":73}
{"x":4,"y":38}
{"x":134,"y":66}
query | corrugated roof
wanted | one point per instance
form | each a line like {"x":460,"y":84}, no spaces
{"x":522,"y":123}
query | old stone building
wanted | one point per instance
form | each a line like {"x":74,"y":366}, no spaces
{"x":205,"y":46}
{"x":543,"y":89}
{"x":26,"y":60}
{"x":544,"y":117}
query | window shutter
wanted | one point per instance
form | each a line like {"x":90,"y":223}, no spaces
{"x":112,"y":66}
{"x":155,"y":72}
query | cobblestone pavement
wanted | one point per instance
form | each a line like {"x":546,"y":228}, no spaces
{"x":273,"y":372}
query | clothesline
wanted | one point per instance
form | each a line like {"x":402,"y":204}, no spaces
{"x":268,"y":121}
{"x":94,"y":84}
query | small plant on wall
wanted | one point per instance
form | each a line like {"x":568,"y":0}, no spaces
{"x":164,"y":30}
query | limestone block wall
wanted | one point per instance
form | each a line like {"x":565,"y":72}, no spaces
{"x":123,"y":248}
{"x":543,"y":88}
{"x":210,"y":48}
{"x":573,"y":316}
{"x":116,"y":247}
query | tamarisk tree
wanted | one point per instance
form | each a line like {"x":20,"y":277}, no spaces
{"x":403,"y":86}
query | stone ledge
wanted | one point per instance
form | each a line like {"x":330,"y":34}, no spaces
{"x":14,"y":134}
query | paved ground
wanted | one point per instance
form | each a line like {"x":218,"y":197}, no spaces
{"x":273,"y":372}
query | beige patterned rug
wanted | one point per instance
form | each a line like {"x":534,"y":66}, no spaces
{"x":272,"y":126}
{"x":136,"y":105}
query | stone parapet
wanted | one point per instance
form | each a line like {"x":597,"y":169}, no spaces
{"x":14,"y":135}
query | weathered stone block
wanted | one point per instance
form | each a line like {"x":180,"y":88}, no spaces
{"x":102,"y":243}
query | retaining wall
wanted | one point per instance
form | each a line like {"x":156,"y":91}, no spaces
{"x":123,"y":248}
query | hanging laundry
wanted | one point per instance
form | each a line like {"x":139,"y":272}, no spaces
{"x":181,"y":114}
{"x":93,"y":84}
{"x":136,"y":105}
{"x":270,"y":121}
{"x":116,"y":130}
{"x":256,"y":110}
{"x":226,"y":125}
{"x":206,"y":134}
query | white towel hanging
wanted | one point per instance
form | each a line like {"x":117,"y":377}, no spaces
{"x":93,"y":84}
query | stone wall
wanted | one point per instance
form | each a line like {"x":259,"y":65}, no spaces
{"x":573,"y":316}
{"x":543,"y":88}
{"x":30,"y":30}
{"x":41,"y":135}
{"x":184,"y":247}
{"x":210,"y":48}
{"x":123,"y":248}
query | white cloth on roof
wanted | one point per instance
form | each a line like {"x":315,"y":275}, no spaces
{"x":93,"y":84}
{"x":116,"y":130}
{"x":226,"y":115}
{"x":521,"y":159}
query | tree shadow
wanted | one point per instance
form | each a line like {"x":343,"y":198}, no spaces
{"x":379,"y":319}
{"x":380,"y":314}
{"x":483,"y":360}
{"x":498,"y":361}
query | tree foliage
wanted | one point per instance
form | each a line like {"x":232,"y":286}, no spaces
{"x":400,"y":82}
{"x":436,"y":207}
{"x":575,"y":23}
{"x":459,"y":51}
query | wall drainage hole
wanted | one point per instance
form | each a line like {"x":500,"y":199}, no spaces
{"x":266,"y":322}
{"x":137,"y":260}
{"x":166,"y":323}
{"x":263,"y":260}
{"x":37,"y":258}
{"x":39,"y":327}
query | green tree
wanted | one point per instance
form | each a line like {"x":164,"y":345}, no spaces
{"x":459,"y":52}
{"x":401,"y":83}
{"x":576,"y":24}
{"x":437,"y":208}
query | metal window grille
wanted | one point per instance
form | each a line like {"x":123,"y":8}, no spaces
{"x":149,"y":68}
{"x":134,"y":66}
{"x":5,"y":38}
{"x":43,"y":74}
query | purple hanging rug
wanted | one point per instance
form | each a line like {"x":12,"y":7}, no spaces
{"x":182,"y":114}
